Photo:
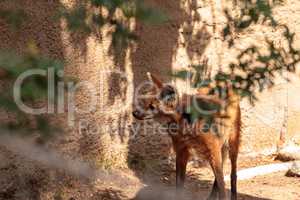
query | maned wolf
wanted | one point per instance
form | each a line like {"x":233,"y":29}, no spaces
{"x":211,"y":144}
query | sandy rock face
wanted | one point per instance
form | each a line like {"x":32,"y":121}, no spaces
{"x":186,"y":39}
{"x":289,"y":153}
{"x":295,"y":170}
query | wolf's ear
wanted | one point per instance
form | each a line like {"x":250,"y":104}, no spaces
{"x":155,"y":80}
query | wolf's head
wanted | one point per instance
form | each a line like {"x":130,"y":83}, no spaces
{"x":159,"y":101}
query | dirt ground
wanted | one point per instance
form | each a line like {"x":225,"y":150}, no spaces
{"x":22,"y":179}
{"x":274,"y":186}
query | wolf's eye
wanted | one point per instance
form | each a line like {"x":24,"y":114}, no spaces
{"x":151,"y":107}
{"x":167,"y":94}
{"x":169,"y":98}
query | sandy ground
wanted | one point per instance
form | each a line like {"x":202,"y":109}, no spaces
{"x":34,"y":173}
{"x":22,"y":179}
{"x":274,"y":186}
{"x":199,"y":183}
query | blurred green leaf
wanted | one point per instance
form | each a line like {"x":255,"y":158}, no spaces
{"x":34,"y":88}
{"x":183,"y":74}
{"x":14,"y":18}
{"x":76,"y":19}
{"x":149,"y":15}
{"x":8,"y":104}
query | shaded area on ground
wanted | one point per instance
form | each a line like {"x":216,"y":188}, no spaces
{"x":167,"y":193}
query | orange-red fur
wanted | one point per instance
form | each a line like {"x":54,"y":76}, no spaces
{"x":210,"y":145}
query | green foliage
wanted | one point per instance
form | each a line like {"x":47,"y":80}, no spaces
{"x":131,"y":9}
{"x":88,"y":17}
{"x":148,"y":15}
{"x":203,"y":109}
{"x":250,"y":13}
{"x":76,"y":19}
{"x":252,"y":69}
{"x":34,"y":89}
{"x":196,"y":75}
{"x":266,"y":66}
{"x":15,"y":64}
{"x":14,"y":18}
